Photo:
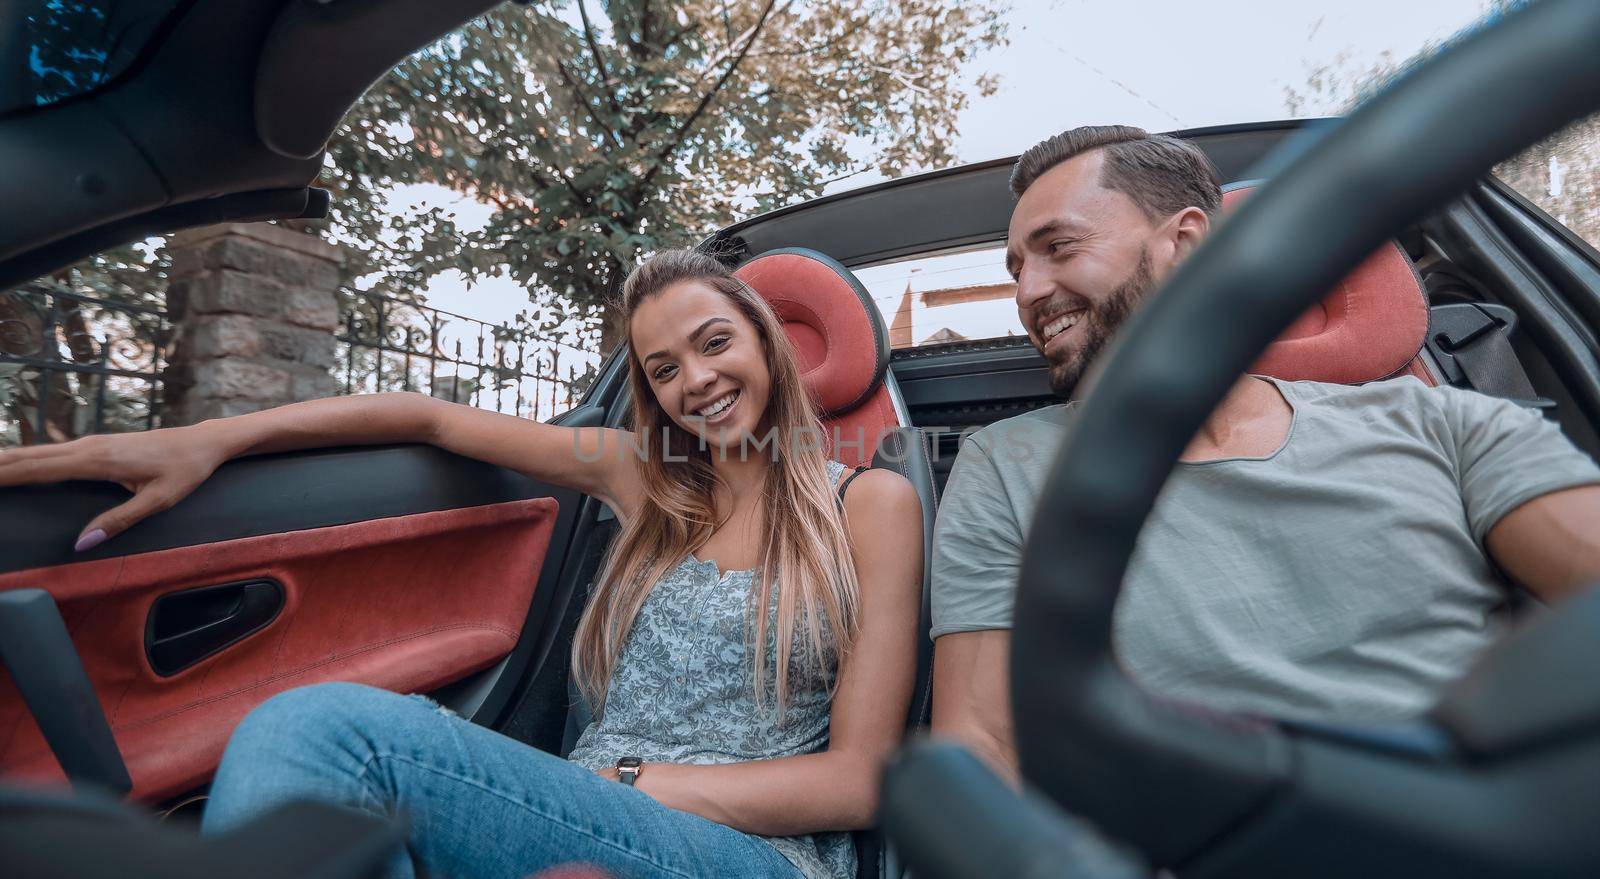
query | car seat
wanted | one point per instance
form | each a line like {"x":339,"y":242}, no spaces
{"x":1373,"y":317}
{"x":1371,"y":326}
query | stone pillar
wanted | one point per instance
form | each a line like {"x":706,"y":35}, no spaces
{"x":254,"y":309}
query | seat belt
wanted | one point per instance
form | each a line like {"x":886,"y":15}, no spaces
{"x":1472,"y":343}
{"x":1492,"y":367}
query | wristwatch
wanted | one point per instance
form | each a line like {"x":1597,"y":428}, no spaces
{"x":629,"y":769}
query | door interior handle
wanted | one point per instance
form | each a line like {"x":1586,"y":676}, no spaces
{"x":186,"y":627}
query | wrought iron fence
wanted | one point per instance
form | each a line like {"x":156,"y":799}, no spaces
{"x":389,"y":344}
{"x":73,"y":364}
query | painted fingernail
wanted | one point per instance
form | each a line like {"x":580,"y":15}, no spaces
{"x":90,"y":541}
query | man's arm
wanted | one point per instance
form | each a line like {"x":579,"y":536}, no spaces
{"x":972,"y":696}
{"x":976,"y":553}
{"x":1549,"y":545}
{"x":1531,"y":497}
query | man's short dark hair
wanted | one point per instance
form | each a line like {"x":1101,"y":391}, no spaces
{"x":1162,"y":174}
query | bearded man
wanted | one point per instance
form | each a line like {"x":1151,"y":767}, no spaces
{"x":1319,"y":551}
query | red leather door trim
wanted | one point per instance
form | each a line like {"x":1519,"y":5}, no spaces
{"x":407,"y":603}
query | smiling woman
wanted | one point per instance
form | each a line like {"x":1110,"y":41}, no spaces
{"x":712,"y":338}
{"x":748,"y":656}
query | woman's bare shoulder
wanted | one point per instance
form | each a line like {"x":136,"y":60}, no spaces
{"x":878,"y":498}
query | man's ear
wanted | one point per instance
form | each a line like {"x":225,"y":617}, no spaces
{"x":1189,"y":226}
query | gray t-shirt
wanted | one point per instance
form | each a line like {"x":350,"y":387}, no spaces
{"x":1343,"y":575}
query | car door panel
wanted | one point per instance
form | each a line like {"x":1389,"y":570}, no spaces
{"x":266,"y":494}
{"x":348,"y":496}
{"x":407,"y":603}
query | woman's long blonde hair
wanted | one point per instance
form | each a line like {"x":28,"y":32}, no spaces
{"x":806,"y":551}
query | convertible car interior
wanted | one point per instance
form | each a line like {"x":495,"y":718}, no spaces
{"x":129,"y":664}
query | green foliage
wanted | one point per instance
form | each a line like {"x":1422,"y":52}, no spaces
{"x":600,"y":132}
{"x":132,"y":273}
{"x":599,"y":135}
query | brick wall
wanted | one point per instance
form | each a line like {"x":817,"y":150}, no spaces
{"x":254,"y":309}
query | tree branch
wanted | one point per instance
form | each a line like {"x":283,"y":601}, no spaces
{"x":845,"y":176}
{"x":505,"y":205}
{"x":673,"y":38}
{"x":748,"y":37}
{"x":644,"y":22}
{"x":549,"y":184}
{"x":580,"y":96}
{"x":899,"y":77}
{"x":705,"y":101}
{"x":582,"y":99}
{"x":567,"y":182}
{"x":599,"y":62}
{"x":819,"y":47}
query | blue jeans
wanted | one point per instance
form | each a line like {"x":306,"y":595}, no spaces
{"x":478,"y":804}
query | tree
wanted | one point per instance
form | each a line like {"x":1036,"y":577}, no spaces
{"x":601,"y":134}
{"x":1560,"y":174}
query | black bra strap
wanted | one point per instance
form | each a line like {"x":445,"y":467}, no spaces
{"x":849,"y":479}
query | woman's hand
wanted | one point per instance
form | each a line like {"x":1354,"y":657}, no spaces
{"x":160,"y":467}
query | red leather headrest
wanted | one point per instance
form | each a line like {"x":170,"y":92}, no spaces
{"x":836,"y":330}
{"x":1370,"y":327}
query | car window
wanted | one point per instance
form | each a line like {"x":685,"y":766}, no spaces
{"x":70,"y":47}
{"x":951,"y":296}
{"x":74,"y":363}
{"x":90,"y":348}
{"x":1562,"y":176}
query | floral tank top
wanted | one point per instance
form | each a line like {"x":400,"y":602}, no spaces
{"x":682,"y":693}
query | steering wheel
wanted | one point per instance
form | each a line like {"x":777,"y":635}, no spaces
{"x":1503,"y":777}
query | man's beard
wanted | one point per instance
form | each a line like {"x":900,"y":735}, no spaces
{"x":1100,"y":322}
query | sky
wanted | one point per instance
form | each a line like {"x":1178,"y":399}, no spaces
{"x":1158,"y":64}
{"x":1166,"y":64}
